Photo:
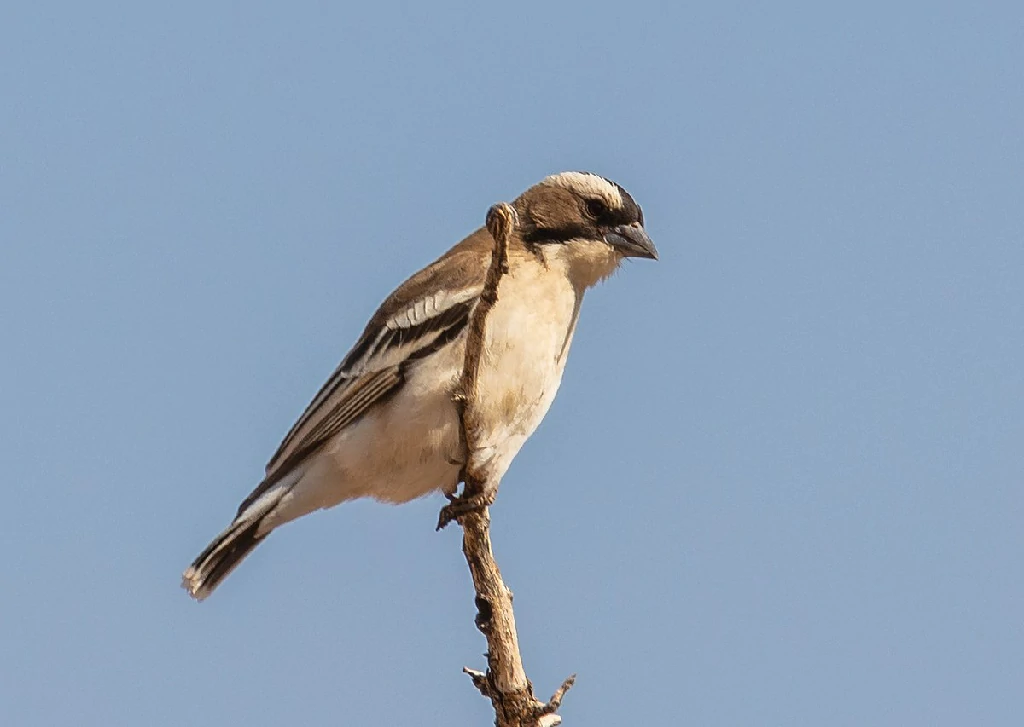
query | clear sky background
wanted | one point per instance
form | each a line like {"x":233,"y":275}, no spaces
{"x":782,"y":482}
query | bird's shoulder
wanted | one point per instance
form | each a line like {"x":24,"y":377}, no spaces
{"x":459,"y":270}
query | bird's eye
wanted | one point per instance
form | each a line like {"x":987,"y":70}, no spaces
{"x":596,"y":208}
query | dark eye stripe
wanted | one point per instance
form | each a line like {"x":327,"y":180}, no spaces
{"x":562,"y":234}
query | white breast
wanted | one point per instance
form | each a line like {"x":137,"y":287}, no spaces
{"x":529,"y":331}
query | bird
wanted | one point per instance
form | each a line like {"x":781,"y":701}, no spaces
{"x":386,"y":425}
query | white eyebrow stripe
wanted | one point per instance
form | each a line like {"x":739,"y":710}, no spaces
{"x":586,"y":184}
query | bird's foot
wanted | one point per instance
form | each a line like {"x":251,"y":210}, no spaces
{"x":459,"y":505}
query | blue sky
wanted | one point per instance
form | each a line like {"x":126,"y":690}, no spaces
{"x":782,"y":482}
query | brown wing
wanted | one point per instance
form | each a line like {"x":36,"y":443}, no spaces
{"x":426,"y":312}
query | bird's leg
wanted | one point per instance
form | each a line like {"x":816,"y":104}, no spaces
{"x":467,"y":502}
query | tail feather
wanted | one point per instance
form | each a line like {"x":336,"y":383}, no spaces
{"x":229,"y":548}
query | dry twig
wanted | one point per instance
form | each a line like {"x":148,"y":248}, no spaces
{"x":504,"y":682}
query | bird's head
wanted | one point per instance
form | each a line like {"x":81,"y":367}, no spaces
{"x":585,"y":219}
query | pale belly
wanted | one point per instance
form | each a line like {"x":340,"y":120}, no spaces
{"x":528,"y":336}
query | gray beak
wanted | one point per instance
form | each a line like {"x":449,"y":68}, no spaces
{"x":632,"y":241}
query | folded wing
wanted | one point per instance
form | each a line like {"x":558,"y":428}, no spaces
{"x":407,"y":327}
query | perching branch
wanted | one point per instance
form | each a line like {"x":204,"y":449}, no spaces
{"x":504,"y":682}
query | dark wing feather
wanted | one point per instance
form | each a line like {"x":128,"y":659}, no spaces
{"x":349,"y":403}
{"x":427,"y":311}
{"x":356,"y":385}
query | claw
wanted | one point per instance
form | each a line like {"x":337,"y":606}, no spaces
{"x":463,"y":505}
